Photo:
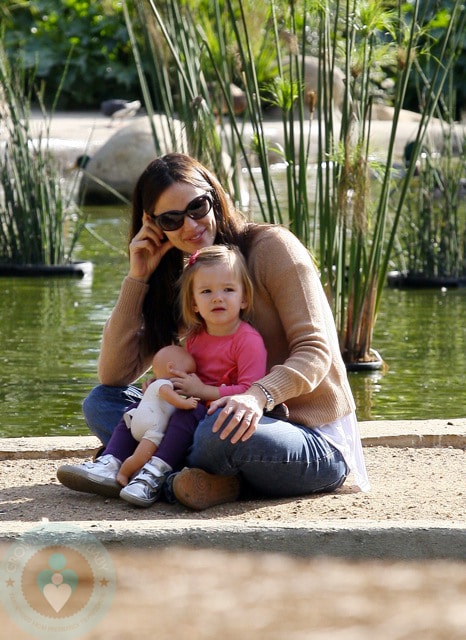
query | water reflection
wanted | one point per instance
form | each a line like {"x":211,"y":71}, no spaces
{"x":50,"y":338}
{"x":51,"y":329}
{"x":42,"y":354}
{"x":422,"y":338}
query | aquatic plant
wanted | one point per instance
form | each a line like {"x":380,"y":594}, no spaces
{"x":432,"y":237}
{"x":344,"y":216}
{"x":39,"y":220}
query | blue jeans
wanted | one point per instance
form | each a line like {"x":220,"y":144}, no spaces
{"x":104,"y":407}
{"x":281,"y":459}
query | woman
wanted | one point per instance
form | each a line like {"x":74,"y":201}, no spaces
{"x":178,"y":208}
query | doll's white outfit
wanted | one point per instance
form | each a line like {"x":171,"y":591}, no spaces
{"x":150,"y":418}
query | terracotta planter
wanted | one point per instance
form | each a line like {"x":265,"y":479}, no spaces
{"x":406,"y":280}
{"x":74,"y":269}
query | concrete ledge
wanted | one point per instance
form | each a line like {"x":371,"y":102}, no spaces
{"x":414,"y":433}
{"x":52,"y":447}
{"x":376,"y":433}
{"x":355,"y":539}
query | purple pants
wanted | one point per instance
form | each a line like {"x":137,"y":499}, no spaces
{"x":176,"y":442}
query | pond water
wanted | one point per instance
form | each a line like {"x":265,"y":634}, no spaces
{"x":51,"y":328}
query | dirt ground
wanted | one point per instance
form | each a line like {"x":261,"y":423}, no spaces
{"x":407,"y":483}
{"x":207,"y":594}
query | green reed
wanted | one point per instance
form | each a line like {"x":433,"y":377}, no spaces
{"x":351,"y":227}
{"x":432,"y":238}
{"x":39,"y":220}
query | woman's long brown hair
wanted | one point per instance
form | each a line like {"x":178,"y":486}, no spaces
{"x":160,"y":309}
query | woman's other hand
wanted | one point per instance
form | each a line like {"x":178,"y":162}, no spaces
{"x":242,"y":412}
{"x":147,"y":249}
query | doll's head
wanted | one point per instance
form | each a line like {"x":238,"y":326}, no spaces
{"x":170,"y":357}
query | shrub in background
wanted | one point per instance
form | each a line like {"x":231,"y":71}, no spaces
{"x":42,"y":35}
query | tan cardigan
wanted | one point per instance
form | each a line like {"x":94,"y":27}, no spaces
{"x":291,"y":312}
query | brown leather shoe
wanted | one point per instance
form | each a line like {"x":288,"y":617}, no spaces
{"x":200,"y":490}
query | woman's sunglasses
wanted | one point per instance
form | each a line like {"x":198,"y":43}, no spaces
{"x":173,"y":220}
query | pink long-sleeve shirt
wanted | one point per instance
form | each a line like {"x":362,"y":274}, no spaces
{"x":231,"y":362}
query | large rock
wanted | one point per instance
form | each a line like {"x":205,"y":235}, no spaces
{"x":118,"y":164}
{"x":311,"y":82}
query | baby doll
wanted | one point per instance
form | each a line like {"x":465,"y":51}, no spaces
{"x":149,"y":419}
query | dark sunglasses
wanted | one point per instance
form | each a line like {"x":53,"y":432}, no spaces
{"x":173,"y":220}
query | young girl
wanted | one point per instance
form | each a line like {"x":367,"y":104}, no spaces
{"x":216,"y":298}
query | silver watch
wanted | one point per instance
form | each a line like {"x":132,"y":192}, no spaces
{"x":270,"y":402}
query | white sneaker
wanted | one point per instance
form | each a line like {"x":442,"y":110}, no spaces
{"x":93,"y":477}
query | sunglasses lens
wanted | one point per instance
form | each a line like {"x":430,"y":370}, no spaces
{"x":196,"y":209}
{"x":170,"y":221}
{"x":199,"y":207}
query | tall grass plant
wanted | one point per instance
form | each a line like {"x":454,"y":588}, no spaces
{"x":351,"y":225}
{"x":432,"y":238}
{"x":359,"y":218}
{"x":39,"y":220}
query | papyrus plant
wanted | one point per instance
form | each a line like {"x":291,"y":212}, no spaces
{"x":350,"y":225}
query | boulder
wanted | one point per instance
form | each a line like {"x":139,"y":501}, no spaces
{"x":237,"y":97}
{"x":118,"y":164}
{"x":311,"y":82}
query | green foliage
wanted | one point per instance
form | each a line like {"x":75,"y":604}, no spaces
{"x":434,"y":20}
{"x":41,"y":35}
{"x":358,"y":224}
{"x":257,"y":15}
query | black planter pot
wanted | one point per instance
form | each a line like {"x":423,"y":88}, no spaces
{"x":74,"y":269}
{"x":406,"y":280}
{"x":373,"y":365}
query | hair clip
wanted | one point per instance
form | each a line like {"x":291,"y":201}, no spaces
{"x":193,"y":258}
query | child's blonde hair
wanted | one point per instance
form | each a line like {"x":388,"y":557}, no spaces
{"x":207,"y":257}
